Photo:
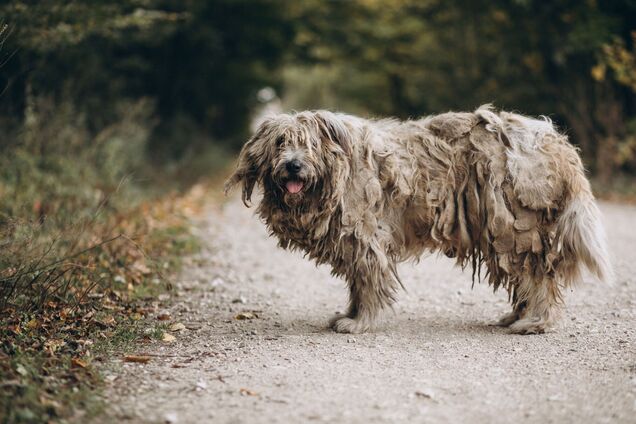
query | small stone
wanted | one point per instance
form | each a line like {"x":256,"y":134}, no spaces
{"x":170,"y":418}
{"x":217,"y":282}
{"x":425,"y":394}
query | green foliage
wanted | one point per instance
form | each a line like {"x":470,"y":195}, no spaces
{"x":202,"y":60}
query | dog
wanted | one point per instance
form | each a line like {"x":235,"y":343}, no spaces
{"x":497,"y":191}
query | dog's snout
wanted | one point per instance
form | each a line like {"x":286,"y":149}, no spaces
{"x":293,"y":166}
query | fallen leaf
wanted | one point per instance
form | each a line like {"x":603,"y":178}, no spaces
{"x":64,"y":313}
{"x":177,"y":326}
{"x":247,"y":392}
{"x":193,"y":326}
{"x":32,"y":324}
{"x":110,"y":378}
{"x":163,"y":317}
{"x":21,"y":370}
{"x":50,"y":403}
{"x":107,"y":321}
{"x":77,"y":362}
{"x":167,"y":337}
{"x":245,"y":315}
{"x":136,"y":358}
{"x":426,"y":395}
{"x":52,"y":345}
{"x":142,"y":268}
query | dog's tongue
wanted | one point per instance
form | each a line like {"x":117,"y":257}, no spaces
{"x":294,"y":186}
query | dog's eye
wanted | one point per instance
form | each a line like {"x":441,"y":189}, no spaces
{"x":280,"y":141}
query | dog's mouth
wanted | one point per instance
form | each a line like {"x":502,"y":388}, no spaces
{"x":294,"y":186}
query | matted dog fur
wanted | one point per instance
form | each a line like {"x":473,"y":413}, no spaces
{"x":498,"y":191}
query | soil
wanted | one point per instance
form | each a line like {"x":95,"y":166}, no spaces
{"x":256,"y":348}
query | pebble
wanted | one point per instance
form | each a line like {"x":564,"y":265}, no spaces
{"x":170,"y":418}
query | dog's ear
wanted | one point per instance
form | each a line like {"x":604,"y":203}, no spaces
{"x":250,"y":161}
{"x":335,"y":130}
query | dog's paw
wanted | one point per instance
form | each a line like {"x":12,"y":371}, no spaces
{"x":507,"y":319}
{"x":344,"y":324}
{"x":335,"y":318}
{"x":529,"y":326}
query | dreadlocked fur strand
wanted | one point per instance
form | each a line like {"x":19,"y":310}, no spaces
{"x":494,"y":190}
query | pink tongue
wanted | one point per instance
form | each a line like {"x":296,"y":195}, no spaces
{"x":294,"y":186}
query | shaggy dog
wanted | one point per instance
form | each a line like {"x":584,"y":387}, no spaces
{"x":497,"y":191}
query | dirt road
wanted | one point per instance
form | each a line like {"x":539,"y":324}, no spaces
{"x":435,"y":360}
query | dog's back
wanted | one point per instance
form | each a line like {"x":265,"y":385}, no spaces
{"x":529,"y":167}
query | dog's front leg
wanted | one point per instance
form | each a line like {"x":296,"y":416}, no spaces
{"x":372,"y":287}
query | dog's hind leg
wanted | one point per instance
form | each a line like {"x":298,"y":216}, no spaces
{"x":543,"y":301}
{"x":507,"y":319}
{"x":372,"y":287}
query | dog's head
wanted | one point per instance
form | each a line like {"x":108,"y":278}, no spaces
{"x":297,"y":158}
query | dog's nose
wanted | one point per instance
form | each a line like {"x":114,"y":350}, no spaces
{"x":293,"y":166}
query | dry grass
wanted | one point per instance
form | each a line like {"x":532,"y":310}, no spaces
{"x":88,"y":236}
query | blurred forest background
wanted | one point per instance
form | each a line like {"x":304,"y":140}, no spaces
{"x":107,"y":106}
{"x":187,"y":73}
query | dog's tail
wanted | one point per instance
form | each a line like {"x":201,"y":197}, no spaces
{"x":581,"y":237}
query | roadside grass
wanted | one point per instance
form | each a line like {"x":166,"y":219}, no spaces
{"x":52,"y":339}
{"x":90,"y":236}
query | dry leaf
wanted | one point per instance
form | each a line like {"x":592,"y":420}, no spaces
{"x":77,"y":362}
{"x":52,"y":345}
{"x":142,"y":268}
{"x":177,"y":326}
{"x":107,"y":321}
{"x":21,"y":370}
{"x":247,"y":392}
{"x":32,"y":324}
{"x":193,"y":326}
{"x":163,"y":317}
{"x":167,"y":337}
{"x":137,"y":358}
{"x":246,"y":315}
{"x":50,"y":403}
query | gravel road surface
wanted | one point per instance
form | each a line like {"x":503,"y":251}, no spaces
{"x":255,"y":348}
